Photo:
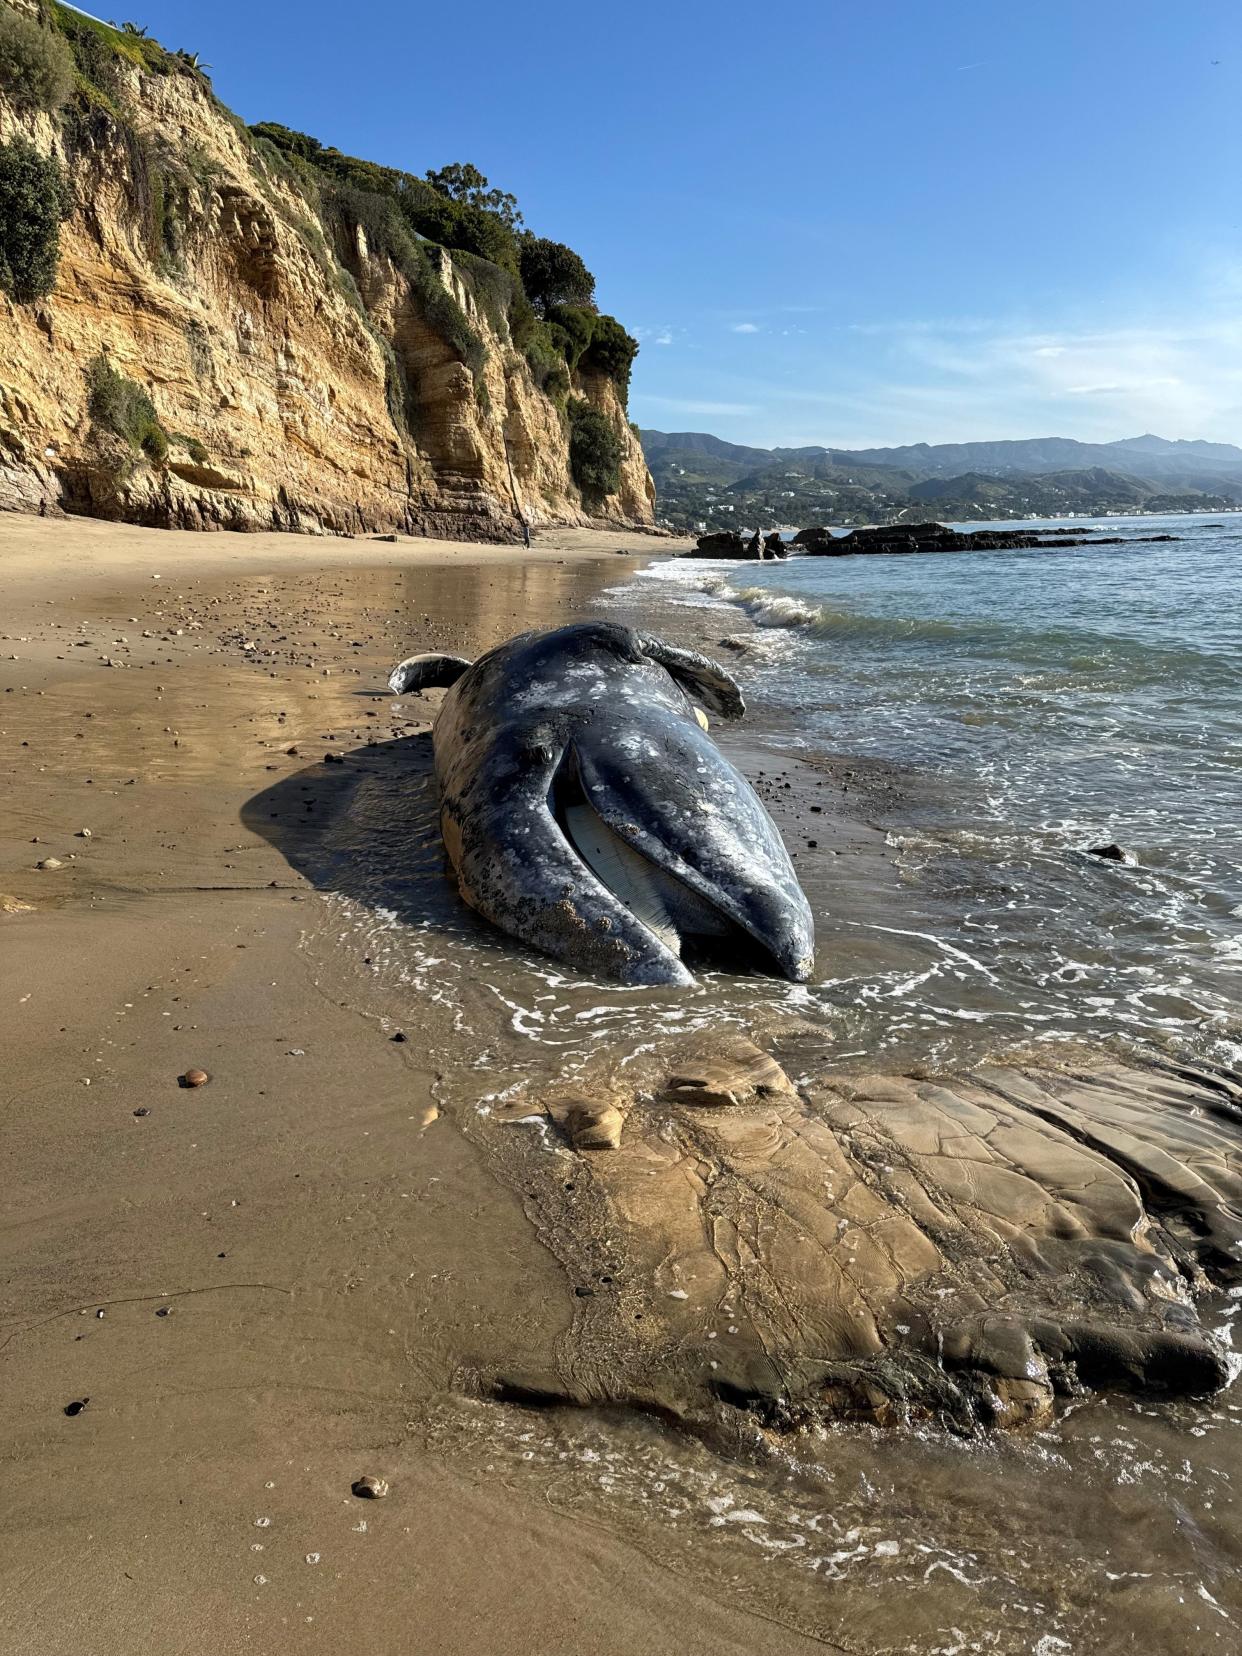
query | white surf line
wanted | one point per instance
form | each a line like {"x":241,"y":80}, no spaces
{"x":929,"y":937}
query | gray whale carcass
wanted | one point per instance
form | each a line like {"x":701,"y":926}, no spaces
{"x":586,"y":811}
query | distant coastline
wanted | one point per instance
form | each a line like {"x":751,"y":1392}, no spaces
{"x":705,"y":483}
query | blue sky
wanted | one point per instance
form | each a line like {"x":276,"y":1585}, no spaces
{"x":840,"y":223}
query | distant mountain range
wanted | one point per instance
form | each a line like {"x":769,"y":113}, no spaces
{"x":702,"y":479}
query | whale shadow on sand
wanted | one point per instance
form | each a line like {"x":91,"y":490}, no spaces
{"x":366,"y":827}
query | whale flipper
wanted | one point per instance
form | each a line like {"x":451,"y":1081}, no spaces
{"x":426,"y":672}
{"x":698,"y":675}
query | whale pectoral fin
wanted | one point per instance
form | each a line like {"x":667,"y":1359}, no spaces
{"x":426,"y":672}
{"x":698,"y":675}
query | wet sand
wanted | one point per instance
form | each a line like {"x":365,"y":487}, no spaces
{"x":331,"y":1259}
{"x":246,"y":1282}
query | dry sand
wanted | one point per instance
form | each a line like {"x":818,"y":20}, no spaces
{"x":245,"y":1281}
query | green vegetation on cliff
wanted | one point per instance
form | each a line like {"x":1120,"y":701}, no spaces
{"x":522,"y":283}
{"x":594,"y":451}
{"x":34,"y":198}
{"x":36,"y":64}
{"x":121,"y":406}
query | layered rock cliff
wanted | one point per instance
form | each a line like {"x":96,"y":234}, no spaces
{"x":301,"y":379}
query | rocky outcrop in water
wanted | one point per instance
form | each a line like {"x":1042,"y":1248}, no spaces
{"x":888,"y":1248}
{"x":894,"y":539}
{"x":731,"y":543}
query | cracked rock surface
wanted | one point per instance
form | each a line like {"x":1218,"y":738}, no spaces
{"x":885,"y":1248}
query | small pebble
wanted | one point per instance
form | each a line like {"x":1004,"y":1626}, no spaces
{"x":399,"y":1036}
{"x":370,"y":1489}
{"x":84,"y":833}
{"x":195,"y":1078}
{"x":50,"y":862}
{"x":142,"y":1111}
{"x":76,"y":1407}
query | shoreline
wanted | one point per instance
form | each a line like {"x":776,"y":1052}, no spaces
{"x":350,"y":1255}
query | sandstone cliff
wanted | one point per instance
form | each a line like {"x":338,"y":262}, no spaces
{"x":302,"y":380}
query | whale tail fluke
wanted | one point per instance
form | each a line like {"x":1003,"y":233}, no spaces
{"x":426,"y":672}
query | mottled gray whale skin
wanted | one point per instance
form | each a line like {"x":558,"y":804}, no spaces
{"x":586,"y":737}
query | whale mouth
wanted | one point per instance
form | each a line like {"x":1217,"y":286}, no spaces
{"x":682,"y":921}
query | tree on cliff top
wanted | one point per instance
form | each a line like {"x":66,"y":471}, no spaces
{"x":553,"y":274}
{"x":462,"y":182}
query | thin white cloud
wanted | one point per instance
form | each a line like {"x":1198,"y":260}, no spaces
{"x":1182,"y":379}
{"x":745,"y":327}
{"x":664,"y":337}
{"x":925,"y":382}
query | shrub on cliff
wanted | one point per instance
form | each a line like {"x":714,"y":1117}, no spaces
{"x":36,"y":65}
{"x":612,"y":352}
{"x":593,"y":343}
{"x":572,"y":328}
{"x":594,"y":451}
{"x":494,"y":288}
{"x":553,"y":274}
{"x":121,"y":405}
{"x":34,"y":197}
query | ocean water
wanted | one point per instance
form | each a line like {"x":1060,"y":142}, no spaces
{"x":1024,"y":706}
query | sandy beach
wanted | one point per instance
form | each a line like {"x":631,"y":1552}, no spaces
{"x":244,"y":1282}
{"x":363,"y":1249}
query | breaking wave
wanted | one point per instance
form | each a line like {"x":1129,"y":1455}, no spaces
{"x":1132,"y":662}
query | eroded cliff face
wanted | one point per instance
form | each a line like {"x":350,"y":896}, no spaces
{"x":269,"y":351}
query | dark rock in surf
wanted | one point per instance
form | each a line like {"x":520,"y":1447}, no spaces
{"x":731,"y":543}
{"x":902,"y":539}
{"x":1109,"y":853}
{"x":815,"y":539}
{"x":724,"y":543}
